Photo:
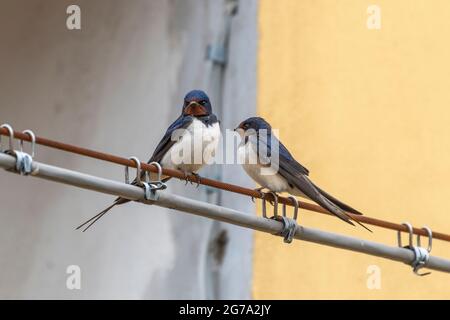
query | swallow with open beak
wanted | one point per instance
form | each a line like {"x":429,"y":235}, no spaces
{"x":197,"y":121}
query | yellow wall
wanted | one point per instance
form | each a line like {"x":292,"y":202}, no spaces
{"x":368,"y":112}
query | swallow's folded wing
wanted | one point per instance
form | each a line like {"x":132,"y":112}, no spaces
{"x":167,"y":141}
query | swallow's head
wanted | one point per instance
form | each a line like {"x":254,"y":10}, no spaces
{"x":252,"y":126}
{"x":255,"y":123}
{"x":196,"y":103}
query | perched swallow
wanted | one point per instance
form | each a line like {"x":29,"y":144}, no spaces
{"x":196,"y":121}
{"x":290,"y":176}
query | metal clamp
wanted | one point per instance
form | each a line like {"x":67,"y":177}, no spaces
{"x":151,"y":187}
{"x":289,"y":228}
{"x":33,"y":141}
{"x":289,"y":224}
{"x":158,"y":183}
{"x":421,"y":255}
{"x":24,"y":161}
{"x":430,"y":238}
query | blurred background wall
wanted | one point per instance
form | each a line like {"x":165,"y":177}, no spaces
{"x":367,"y":111}
{"x":115,"y":86}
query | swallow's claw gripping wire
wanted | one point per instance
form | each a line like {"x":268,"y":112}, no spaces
{"x":261,"y":194}
{"x":198,"y":179}
{"x":186,"y":175}
{"x":274,"y":199}
{"x":275,"y":206}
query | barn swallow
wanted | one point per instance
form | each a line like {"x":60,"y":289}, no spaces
{"x":196,"y":120}
{"x":290,"y":175}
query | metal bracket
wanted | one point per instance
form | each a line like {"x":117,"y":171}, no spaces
{"x":289,"y":224}
{"x":289,"y":227}
{"x":24,"y":161}
{"x":421,"y":255}
{"x":216,"y":54}
{"x":151,"y":187}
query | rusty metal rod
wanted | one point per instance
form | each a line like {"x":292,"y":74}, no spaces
{"x":214,"y":183}
{"x":220,"y":213}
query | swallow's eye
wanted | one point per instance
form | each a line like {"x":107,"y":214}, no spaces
{"x":203,"y":102}
{"x":246,"y":126}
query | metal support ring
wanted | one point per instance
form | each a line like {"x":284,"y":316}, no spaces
{"x":158,"y":166}
{"x":296,"y":206}
{"x":151,"y":187}
{"x":138,"y":172}
{"x":430,"y":238}
{"x":11,"y":136}
{"x":264,"y":207}
{"x":410,"y":231}
{"x":275,"y":203}
{"x":421,"y":255}
{"x":33,"y":142}
{"x":158,"y":184}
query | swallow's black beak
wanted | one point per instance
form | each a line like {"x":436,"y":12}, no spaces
{"x":240,"y":126}
{"x":240,"y":130}
{"x":195,"y":109}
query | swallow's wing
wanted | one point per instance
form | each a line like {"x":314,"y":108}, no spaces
{"x":300,"y":181}
{"x":167,"y":142}
{"x":268,"y":143}
{"x":297,"y":176}
{"x":337,"y":202}
{"x":164,"y":145}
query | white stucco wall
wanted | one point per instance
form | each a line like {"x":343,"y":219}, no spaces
{"x":115,"y":86}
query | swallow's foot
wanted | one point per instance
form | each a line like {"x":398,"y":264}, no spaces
{"x":261,"y":194}
{"x":186,"y":175}
{"x":198,"y":178}
{"x":274,"y":200}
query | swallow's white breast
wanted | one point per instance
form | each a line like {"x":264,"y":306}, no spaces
{"x":274,"y":181}
{"x":195,"y":147}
